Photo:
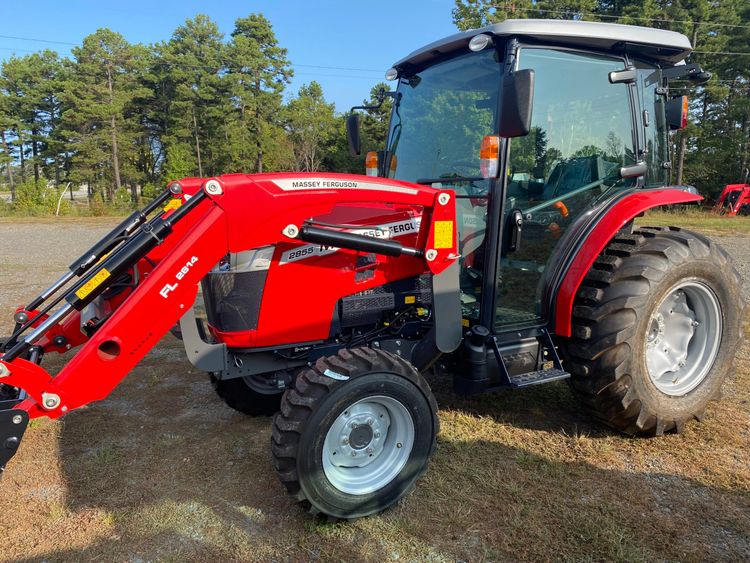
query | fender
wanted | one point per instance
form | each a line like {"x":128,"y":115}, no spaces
{"x":615,"y":218}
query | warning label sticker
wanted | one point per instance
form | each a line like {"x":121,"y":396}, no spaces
{"x":386,"y":231}
{"x":443,"y":234}
{"x":86,"y":289}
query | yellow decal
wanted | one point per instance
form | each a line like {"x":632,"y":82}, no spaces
{"x":99,"y":278}
{"x":465,"y":322}
{"x":409,"y":299}
{"x":443,"y":234}
{"x":174,"y":204}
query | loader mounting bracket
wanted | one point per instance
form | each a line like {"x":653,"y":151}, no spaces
{"x":13,"y":423}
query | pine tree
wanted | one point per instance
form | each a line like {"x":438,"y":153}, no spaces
{"x":100,"y":93}
{"x":258,"y":70}
{"x":194,"y":93}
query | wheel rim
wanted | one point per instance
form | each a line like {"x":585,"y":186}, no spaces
{"x":683,"y":338}
{"x":368,"y":445}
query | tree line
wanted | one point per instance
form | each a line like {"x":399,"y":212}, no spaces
{"x":714,"y":149}
{"x":124,"y":118}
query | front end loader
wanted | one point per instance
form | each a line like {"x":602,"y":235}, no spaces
{"x":493,"y":240}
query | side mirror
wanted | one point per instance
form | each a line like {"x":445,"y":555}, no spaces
{"x":633,"y":170}
{"x":517,"y":104}
{"x":677,"y":112}
{"x":352,"y":134}
{"x":624,"y":76}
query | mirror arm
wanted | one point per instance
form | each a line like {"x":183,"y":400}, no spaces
{"x":382,"y":95}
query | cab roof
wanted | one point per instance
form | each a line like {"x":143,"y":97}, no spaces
{"x":656,"y":44}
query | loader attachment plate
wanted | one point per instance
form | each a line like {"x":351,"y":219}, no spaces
{"x":13,"y":423}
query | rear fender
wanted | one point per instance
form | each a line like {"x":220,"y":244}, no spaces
{"x":614,"y":218}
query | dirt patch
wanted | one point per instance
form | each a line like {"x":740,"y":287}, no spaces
{"x":162,"y":470}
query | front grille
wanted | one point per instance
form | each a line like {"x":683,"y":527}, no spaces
{"x":233,"y":291}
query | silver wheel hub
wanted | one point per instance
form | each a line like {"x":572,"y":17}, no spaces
{"x":683,"y":338}
{"x":368,"y":445}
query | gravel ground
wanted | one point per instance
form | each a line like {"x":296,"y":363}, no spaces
{"x":739,"y":249}
{"x":37,"y":252}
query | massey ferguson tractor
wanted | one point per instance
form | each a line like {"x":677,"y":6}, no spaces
{"x":492,"y":240}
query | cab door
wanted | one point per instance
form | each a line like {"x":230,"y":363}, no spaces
{"x":581,"y":135}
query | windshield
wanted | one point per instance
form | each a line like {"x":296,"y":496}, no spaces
{"x":442,"y":115}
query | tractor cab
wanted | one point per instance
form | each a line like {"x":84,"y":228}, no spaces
{"x":535,"y":125}
{"x":539,"y":127}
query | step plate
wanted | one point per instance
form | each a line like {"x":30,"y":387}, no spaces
{"x":537,"y":377}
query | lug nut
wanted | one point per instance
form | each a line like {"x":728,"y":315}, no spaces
{"x":354,"y":454}
{"x":345,"y":441}
{"x":369,"y":450}
{"x":370,"y":421}
{"x":399,"y":445}
{"x":377,"y":434}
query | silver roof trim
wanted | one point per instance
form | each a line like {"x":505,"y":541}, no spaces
{"x":658,"y":44}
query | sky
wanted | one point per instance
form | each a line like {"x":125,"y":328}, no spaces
{"x":346,"y":46}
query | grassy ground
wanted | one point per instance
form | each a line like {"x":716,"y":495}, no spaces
{"x":162,"y":470}
{"x":695,"y":219}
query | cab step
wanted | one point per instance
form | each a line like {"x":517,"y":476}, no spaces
{"x":537,"y":377}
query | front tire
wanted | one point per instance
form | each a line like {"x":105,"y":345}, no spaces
{"x":355,"y":433}
{"x":656,"y":323}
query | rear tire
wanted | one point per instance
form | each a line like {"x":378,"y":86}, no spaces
{"x":355,"y":433}
{"x":238,"y":395}
{"x":656,"y":323}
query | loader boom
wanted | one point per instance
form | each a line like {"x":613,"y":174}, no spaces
{"x":220,"y":215}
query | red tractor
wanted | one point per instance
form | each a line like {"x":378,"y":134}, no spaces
{"x":734,"y":199}
{"x":489,"y":242}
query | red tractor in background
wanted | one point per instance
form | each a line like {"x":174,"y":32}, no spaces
{"x":493,"y":241}
{"x":734,"y":199}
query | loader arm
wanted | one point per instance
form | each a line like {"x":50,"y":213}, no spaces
{"x":230,"y":213}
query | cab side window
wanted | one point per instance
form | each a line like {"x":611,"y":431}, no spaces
{"x":653,"y":122}
{"x":581,"y":135}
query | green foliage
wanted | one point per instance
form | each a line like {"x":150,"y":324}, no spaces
{"x":180,"y":163}
{"x":715,"y":149}
{"x":149,"y":191}
{"x":311,"y":125}
{"x":33,"y":198}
